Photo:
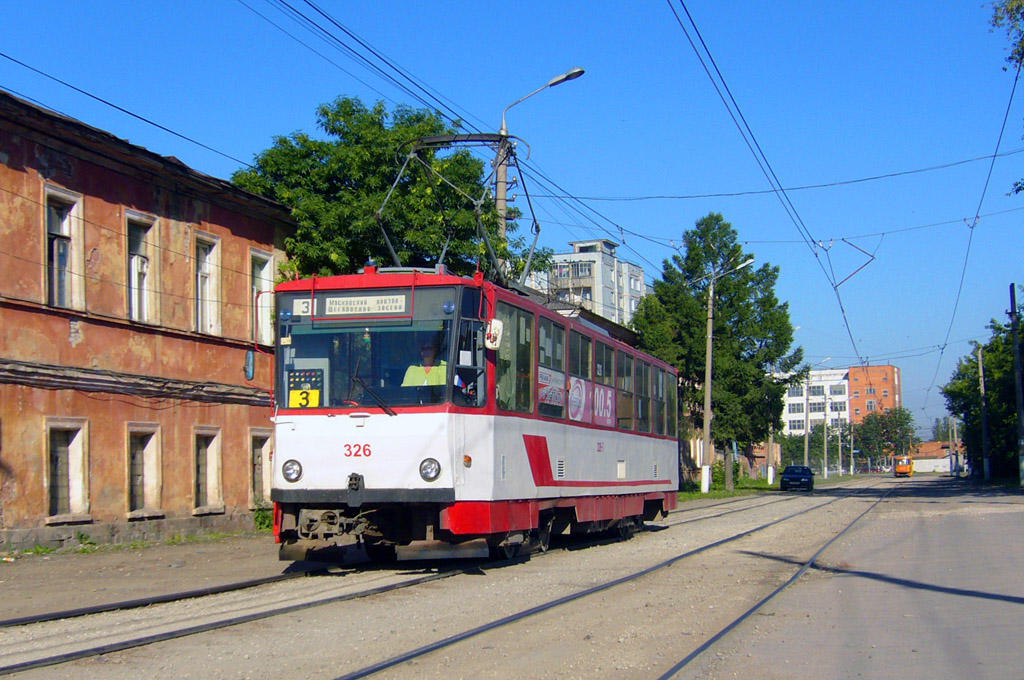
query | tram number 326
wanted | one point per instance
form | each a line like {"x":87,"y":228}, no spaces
{"x":357,"y":450}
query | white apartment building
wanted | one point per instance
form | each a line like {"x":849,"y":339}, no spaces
{"x":826,"y":391}
{"x":593,"y":277}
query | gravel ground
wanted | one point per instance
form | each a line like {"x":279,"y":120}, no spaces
{"x":639,"y":629}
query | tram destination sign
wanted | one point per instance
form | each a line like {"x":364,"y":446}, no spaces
{"x":355,"y":305}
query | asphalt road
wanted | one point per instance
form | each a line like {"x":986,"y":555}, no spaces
{"x":927,"y":586}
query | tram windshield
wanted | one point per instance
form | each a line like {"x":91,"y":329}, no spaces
{"x":430,"y":358}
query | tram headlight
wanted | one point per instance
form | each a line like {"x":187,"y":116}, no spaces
{"x":292,"y":470}
{"x":429,"y":469}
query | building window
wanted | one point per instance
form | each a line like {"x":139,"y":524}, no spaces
{"x":796,"y":407}
{"x":207,"y":286}
{"x":60,"y":480}
{"x":64,"y":250}
{"x":885,"y":393}
{"x":67,"y":478}
{"x":816,"y":390}
{"x":260,"y":452}
{"x":816,"y":407}
{"x":140,"y":257}
{"x":207,"y":494}
{"x":837,"y":406}
{"x":856,"y":394}
{"x":871,"y":405}
{"x":796,"y":391}
{"x":837,"y":390}
{"x":144,"y":480}
{"x":796,"y":425}
{"x":262,"y":299}
{"x":856,"y":412}
{"x":870,"y":390}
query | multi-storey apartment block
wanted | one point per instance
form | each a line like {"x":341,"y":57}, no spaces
{"x":593,"y":277}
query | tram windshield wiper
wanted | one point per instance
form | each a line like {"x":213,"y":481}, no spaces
{"x":376,"y":397}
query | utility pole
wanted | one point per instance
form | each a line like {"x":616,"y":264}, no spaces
{"x":824,"y":438}
{"x":708,"y":453}
{"x":807,"y":420}
{"x":1015,"y":335}
{"x":956,"y":442}
{"x":984,"y":418}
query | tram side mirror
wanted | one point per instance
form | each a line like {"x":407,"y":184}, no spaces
{"x":250,"y":365}
{"x":492,"y":336}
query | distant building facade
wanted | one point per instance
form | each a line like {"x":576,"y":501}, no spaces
{"x":874,"y":389}
{"x":843,"y":395}
{"x":823,"y":395}
{"x":132,"y":289}
{"x":593,"y":277}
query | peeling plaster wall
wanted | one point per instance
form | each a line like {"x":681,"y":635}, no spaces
{"x":102,"y":337}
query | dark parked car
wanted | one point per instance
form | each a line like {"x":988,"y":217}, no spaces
{"x":797,"y":476}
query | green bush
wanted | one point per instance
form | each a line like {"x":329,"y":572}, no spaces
{"x":263,"y":517}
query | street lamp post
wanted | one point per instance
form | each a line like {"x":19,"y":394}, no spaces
{"x":807,"y":412}
{"x":707,"y":452}
{"x":504,"y":148}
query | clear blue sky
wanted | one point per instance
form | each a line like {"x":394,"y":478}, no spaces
{"x":834,"y":92}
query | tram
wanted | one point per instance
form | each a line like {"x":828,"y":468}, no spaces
{"x":417,"y":407}
{"x":903,"y":466}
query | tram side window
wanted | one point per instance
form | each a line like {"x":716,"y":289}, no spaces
{"x":643,"y":396}
{"x":624,"y":403}
{"x":672,"y":404}
{"x":551,"y":371}
{"x":514,"y":366}
{"x":470,"y":384}
{"x":604,"y":385}
{"x":581,"y":389}
{"x":658,"y":400}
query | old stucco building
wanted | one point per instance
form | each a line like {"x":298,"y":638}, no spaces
{"x":131,"y":294}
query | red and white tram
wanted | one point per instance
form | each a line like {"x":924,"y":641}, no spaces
{"x":526,"y":423}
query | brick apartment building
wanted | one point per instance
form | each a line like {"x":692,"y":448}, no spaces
{"x":873,"y":389}
{"x":130,"y":296}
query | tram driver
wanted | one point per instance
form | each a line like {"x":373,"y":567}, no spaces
{"x":429,"y":371}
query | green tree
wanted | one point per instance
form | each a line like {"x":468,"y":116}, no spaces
{"x":942,"y":429}
{"x":1008,"y":15}
{"x":883,"y":435}
{"x":963,"y":398}
{"x":336,"y":183}
{"x":752,"y":334}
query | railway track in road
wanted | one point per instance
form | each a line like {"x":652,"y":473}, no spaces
{"x":97,"y":631}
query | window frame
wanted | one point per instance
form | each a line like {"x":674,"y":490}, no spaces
{"x":78,"y":470}
{"x":72,"y":236}
{"x":261,"y":303}
{"x":214,"y":486}
{"x":143,"y":296}
{"x":206,"y":284}
{"x":152,"y":471}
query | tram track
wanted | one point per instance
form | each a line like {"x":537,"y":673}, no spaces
{"x":144,"y":635}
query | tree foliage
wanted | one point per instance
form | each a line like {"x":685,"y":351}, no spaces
{"x":1008,"y":15}
{"x":883,"y":435}
{"x":963,"y":398}
{"x":336,"y":183}
{"x":752,"y":333}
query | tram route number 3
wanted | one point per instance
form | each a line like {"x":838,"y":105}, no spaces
{"x":303,"y":398}
{"x":356,"y":450}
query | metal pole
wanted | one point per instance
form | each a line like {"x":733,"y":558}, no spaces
{"x":807,"y":420}
{"x":984,"y":417}
{"x":824,"y":438}
{"x":707,"y":455}
{"x":1015,"y":335}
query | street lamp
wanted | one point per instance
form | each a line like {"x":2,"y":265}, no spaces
{"x":501,"y":167}
{"x":707,"y":452}
{"x":807,"y":410}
